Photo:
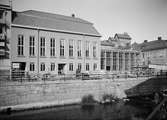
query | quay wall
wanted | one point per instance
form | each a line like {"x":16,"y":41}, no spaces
{"x":43,"y":93}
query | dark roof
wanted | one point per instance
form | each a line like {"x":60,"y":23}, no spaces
{"x":54,"y":21}
{"x":122,"y":36}
{"x":152,"y":45}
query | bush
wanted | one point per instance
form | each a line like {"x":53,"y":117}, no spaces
{"x":109,"y":98}
{"x":88,"y":99}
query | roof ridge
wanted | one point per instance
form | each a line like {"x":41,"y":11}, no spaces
{"x":55,"y":16}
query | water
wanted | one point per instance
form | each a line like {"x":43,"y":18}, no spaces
{"x":115,"y":111}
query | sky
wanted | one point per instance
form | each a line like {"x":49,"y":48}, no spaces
{"x":141,"y":19}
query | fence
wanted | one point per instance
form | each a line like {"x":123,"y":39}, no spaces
{"x":25,"y":76}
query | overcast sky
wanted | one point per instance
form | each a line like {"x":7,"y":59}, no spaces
{"x":142,"y":19}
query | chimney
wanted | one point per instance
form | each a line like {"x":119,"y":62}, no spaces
{"x":159,"y":38}
{"x":145,"y":41}
{"x":73,"y":15}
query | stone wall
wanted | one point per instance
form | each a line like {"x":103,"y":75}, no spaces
{"x":58,"y":92}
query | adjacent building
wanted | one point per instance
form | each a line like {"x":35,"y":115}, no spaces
{"x":51,"y":43}
{"x":117,"y":55}
{"x":5,"y":33}
{"x":153,"y":53}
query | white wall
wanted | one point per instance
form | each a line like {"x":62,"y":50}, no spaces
{"x":47,"y":59}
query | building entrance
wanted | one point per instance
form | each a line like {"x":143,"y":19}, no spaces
{"x":61,"y":69}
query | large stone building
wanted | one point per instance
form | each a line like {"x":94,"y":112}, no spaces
{"x":117,"y":55}
{"x":153,"y":53}
{"x":51,"y":43}
{"x":5,"y":33}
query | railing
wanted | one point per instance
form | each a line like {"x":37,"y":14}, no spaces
{"x":161,"y":108}
{"x":25,"y":76}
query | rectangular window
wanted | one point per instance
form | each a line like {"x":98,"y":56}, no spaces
{"x":52,"y":67}
{"x":79,"y":66}
{"x":20,"y":45}
{"x":32,"y":66}
{"x":71,"y":67}
{"x":42,"y":66}
{"x":87,"y":48}
{"x":61,"y":47}
{"x":94,"y":66}
{"x":94,"y":50}
{"x":102,"y":60}
{"x":52,"y":47}
{"x":108,"y":61}
{"x":79,"y":48}
{"x":87,"y":66}
{"x":71,"y":45}
{"x":42,"y":46}
{"x":32,"y":46}
{"x":114,"y":61}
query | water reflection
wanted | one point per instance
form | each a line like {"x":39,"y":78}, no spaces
{"x":115,"y":111}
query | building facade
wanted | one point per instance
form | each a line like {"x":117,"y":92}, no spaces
{"x":5,"y":33}
{"x":50,"y":43}
{"x":153,"y":53}
{"x":116,"y":58}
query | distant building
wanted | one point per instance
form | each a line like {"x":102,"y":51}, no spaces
{"x":153,"y":53}
{"x":51,"y":43}
{"x":117,"y":56}
{"x":123,"y":40}
{"x":5,"y":33}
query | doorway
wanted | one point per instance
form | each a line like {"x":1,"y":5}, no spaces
{"x":61,"y":68}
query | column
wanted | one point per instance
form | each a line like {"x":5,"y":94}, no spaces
{"x":123,"y":62}
{"x":117,"y":61}
{"x":130,"y":62}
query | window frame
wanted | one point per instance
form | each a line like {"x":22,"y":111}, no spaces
{"x":71,"y":48}
{"x":62,"y":47}
{"x":20,"y":45}
{"x":52,"y":66}
{"x":87,"y":52}
{"x":79,"y":48}
{"x":42,"y":67}
{"x":42,"y":46}
{"x":32,"y":66}
{"x":52,"y":47}
{"x":71,"y":67}
{"x":87,"y":67}
{"x":32,"y":46}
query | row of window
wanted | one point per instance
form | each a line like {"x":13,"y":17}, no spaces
{"x":52,"y":66}
{"x":20,"y":47}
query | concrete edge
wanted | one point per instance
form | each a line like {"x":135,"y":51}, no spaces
{"x":39,"y":105}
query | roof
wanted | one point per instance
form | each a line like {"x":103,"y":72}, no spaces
{"x":122,"y":36}
{"x":107,"y":43}
{"x":152,"y":45}
{"x":54,"y":21}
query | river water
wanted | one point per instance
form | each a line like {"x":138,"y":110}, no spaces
{"x":115,"y":111}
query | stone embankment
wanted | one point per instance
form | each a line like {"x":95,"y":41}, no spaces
{"x":28,"y":95}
